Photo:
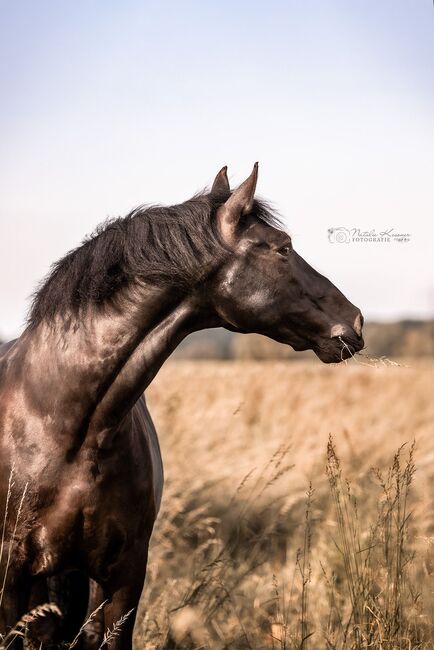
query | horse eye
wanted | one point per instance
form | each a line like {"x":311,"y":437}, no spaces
{"x":285,"y":250}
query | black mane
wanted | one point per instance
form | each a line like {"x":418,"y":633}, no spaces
{"x":173,"y":245}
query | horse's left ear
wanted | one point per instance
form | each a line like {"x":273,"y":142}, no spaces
{"x":239,"y":204}
{"x":221,"y":183}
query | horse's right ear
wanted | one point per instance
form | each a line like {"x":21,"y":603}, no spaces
{"x":239,"y":204}
{"x":221,"y":183}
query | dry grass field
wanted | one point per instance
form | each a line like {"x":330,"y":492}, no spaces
{"x":274,"y":535}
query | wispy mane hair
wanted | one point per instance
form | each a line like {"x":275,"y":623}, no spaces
{"x":175,"y":245}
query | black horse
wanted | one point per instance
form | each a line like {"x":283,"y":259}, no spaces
{"x":74,"y":428}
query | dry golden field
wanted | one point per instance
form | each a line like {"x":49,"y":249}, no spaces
{"x":269,"y":535}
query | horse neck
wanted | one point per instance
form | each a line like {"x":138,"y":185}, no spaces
{"x":90,"y":370}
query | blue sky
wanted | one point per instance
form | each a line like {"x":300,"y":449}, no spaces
{"x":106,"y":105}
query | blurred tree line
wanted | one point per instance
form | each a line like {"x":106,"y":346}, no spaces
{"x":406,"y":338}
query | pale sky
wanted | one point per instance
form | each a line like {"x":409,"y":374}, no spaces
{"x":107,"y":105}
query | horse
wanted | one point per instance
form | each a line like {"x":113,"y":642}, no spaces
{"x":81,"y":470}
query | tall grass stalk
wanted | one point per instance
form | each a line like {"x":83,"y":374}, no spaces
{"x":305,"y":569}
{"x":20,"y":628}
{"x":12,"y":541}
{"x":113,"y":632}
{"x":376,"y":561}
{"x":5,"y":516}
{"x":89,"y":619}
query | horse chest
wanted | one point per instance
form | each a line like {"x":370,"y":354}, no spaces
{"x":104,"y":506}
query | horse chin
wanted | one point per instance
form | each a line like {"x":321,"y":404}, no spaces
{"x":301,"y":347}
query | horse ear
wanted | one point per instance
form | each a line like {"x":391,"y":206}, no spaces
{"x":239,"y":204}
{"x":221,"y":183}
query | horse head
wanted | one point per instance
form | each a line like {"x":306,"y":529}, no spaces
{"x":265,"y":286}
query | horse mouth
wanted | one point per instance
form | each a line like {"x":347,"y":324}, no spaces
{"x":328,"y":349}
{"x":338,"y":348}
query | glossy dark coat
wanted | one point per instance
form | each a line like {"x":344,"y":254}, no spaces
{"x":74,"y":428}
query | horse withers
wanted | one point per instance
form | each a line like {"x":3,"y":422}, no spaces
{"x":75,"y":432}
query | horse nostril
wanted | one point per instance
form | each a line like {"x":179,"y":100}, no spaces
{"x":338,"y":330}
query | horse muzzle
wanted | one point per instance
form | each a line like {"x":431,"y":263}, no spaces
{"x":338,"y":348}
